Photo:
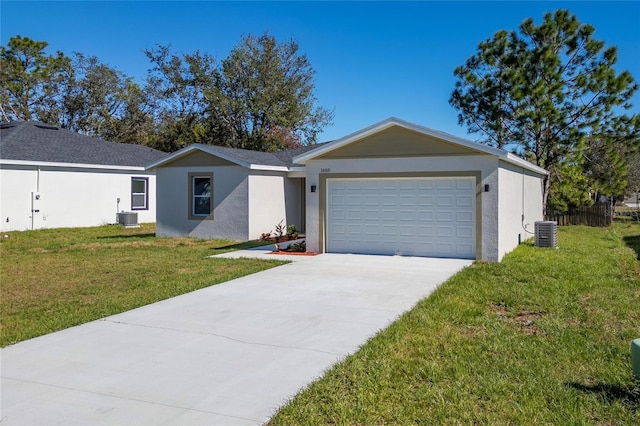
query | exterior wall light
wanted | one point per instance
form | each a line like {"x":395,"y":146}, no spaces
{"x":313,"y":188}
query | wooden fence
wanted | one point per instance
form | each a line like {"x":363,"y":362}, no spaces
{"x":598,"y":214}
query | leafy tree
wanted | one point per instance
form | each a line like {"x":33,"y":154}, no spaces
{"x":541,"y":91}
{"x":102,"y":101}
{"x":263,"y":99}
{"x":609,"y":158}
{"x":77,"y":93}
{"x":31,"y":82}
{"x":176,"y":86}
{"x":260,"y":97}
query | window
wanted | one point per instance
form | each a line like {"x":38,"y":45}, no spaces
{"x":200,"y":195}
{"x":139,"y":193}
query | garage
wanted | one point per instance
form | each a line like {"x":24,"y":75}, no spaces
{"x":412,"y":216}
{"x":399,"y":188}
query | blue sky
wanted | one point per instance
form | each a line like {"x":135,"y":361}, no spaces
{"x":373,"y":60}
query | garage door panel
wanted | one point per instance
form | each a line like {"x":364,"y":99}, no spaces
{"x":444,"y":216}
{"x":445,"y":201}
{"x":425,"y":216}
{"x":388,"y":229}
{"x":388,"y":200}
{"x":445,"y":231}
{"x":464,"y":217}
{"x":406,"y":200}
{"x":464,"y":232}
{"x":425,"y":184}
{"x":338,"y":215}
{"x":353,"y":214}
{"x":444,"y":184}
{"x":425,"y":200}
{"x":464,"y":250}
{"x":465,"y":184}
{"x":410,"y":216}
{"x":406,"y":231}
{"x":425,"y":231}
{"x":464,"y":201}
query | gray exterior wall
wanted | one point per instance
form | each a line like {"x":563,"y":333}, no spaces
{"x":230,"y":199}
{"x":246,"y":203}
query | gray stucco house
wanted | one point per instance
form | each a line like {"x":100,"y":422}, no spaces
{"x":392,"y":188}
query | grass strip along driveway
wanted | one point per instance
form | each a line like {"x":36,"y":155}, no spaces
{"x":54,"y":279}
{"x":541,"y":338}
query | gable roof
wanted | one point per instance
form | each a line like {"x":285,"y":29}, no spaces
{"x":256,"y":160}
{"x":30,"y":142}
{"x":393,"y":121}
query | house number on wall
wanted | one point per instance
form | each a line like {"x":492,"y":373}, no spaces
{"x":327,"y":170}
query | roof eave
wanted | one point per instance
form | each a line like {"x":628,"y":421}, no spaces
{"x":69,"y":165}
{"x":517,"y":161}
{"x":268,"y":168}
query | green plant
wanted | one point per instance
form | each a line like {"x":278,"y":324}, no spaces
{"x":265,"y":236}
{"x":279,"y":230}
{"x":297,"y":247}
{"x":291,"y":229}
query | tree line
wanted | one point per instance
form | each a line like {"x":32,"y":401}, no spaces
{"x":549,"y":93}
{"x":260,"y":97}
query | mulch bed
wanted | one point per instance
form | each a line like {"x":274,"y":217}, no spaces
{"x":295,"y":253}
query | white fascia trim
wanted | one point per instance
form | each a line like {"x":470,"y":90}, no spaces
{"x":297,"y":172}
{"x":70,"y":165}
{"x":268,"y":168}
{"x":393,"y":121}
{"x":514,"y":159}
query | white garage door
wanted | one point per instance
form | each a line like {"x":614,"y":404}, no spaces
{"x":407,"y":216}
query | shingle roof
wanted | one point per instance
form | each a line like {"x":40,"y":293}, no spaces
{"x":39,"y":142}
{"x":245,"y":155}
{"x":288,"y":155}
{"x":242,"y":157}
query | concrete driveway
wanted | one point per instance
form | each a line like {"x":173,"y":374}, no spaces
{"x":228,"y":354}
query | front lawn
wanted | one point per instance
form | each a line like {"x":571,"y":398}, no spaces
{"x":541,"y":338}
{"x":58,"y":278}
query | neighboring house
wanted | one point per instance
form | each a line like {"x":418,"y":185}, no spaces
{"x":633,"y":200}
{"x":392,"y":188}
{"x":53,"y":178}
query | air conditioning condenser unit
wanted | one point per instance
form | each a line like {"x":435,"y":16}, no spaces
{"x":128,"y":219}
{"x":546,"y":234}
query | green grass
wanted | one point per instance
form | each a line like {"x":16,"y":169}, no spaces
{"x":58,"y":278}
{"x":540,"y":338}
